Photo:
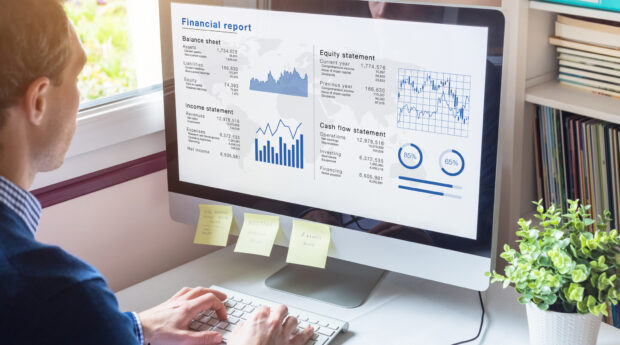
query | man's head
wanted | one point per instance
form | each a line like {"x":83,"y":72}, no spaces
{"x":40,"y":60}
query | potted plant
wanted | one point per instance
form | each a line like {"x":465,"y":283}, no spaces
{"x":565,"y":274}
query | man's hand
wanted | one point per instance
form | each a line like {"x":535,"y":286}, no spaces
{"x":269,"y":327}
{"x":168,"y":323}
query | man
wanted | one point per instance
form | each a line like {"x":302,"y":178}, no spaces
{"x":48,"y":296}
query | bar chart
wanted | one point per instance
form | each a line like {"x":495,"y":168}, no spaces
{"x":283,"y":146}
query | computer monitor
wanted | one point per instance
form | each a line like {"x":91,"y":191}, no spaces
{"x":379,"y":119}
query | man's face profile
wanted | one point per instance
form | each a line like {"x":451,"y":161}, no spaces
{"x":58,"y":124}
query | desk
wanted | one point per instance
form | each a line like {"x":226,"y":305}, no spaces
{"x":401,"y":309}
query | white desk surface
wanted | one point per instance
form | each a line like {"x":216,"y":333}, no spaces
{"x":401,"y":309}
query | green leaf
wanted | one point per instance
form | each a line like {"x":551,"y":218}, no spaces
{"x":579,"y":273}
{"x":575,"y":292}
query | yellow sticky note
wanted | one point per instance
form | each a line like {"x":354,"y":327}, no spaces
{"x":309,"y":244}
{"x":258,"y":234}
{"x":214,"y":225}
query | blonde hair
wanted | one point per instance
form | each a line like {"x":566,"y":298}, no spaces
{"x":34,"y":42}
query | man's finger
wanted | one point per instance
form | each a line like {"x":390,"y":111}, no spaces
{"x":290,"y":325}
{"x":277,"y":315}
{"x":302,"y":337}
{"x":261,"y":313}
{"x":202,"y":338}
{"x":207,"y":301}
{"x":199,"y":291}
{"x":181,"y":292}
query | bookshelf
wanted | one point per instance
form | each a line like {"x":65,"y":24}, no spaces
{"x":530,"y":78}
{"x":530,"y":71}
{"x":555,"y":95}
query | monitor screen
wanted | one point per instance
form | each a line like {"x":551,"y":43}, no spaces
{"x":376,"y":117}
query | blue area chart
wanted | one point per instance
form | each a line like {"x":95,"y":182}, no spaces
{"x":434,"y":102}
{"x":280,"y":146}
{"x":289,"y":83}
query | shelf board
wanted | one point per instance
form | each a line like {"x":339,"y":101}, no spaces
{"x":553,"y":94}
{"x":575,"y":10}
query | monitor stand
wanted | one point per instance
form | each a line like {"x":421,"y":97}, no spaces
{"x":342,"y":283}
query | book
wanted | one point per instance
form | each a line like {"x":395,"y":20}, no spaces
{"x":567,"y":62}
{"x":589,"y":88}
{"x":558,"y":41}
{"x":613,"y":5}
{"x":590,"y":75}
{"x":592,"y":83}
{"x":600,"y":25}
{"x":584,"y":54}
{"x":587,"y":32}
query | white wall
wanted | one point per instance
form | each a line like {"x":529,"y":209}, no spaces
{"x":125,"y":231}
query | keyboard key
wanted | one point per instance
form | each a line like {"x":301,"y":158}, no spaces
{"x":205,"y":319}
{"x":312,"y":321}
{"x":321,"y":340}
{"x":225,"y":334}
{"x":248,"y":309}
{"x":222,"y":325}
{"x":237,"y":313}
{"x":233,"y":320}
{"x":325,"y":331}
{"x":323,"y":324}
{"x":230,"y":303}
{"x":333,"y":326}
{"x":229,"y":327}
{"x":195,"y":325}
{"x":213,"y":322}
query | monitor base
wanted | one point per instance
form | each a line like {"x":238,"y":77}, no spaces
{"x":342,"y":283}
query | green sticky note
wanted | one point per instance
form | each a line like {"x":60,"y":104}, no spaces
{"x":258,"y":234}
{"x":214,"y":225}
{"x":309,"y":244}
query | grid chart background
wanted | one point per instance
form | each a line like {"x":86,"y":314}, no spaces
{"x":434,"y":102}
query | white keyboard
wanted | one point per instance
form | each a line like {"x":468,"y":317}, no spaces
{"x":239,"y":306}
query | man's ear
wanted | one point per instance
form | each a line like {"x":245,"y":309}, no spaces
{"x":35,"y":100}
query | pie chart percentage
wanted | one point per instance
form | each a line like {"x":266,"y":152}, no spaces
{"x":410,"y":156}
{"x":451,"y":162}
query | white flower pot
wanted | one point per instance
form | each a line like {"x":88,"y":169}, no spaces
{"x":553,"y":328}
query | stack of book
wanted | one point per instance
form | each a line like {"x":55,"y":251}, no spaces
{"x":588,"y":54}
{"x":579,"y":158}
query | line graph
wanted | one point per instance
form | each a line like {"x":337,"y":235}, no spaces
{"x":288,"y":83}
{"x":434,"y":102}
{"x":282,"y":151}
{"x":273,"y":132}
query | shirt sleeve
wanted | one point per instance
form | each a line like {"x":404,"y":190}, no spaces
{"x":137,"y":326}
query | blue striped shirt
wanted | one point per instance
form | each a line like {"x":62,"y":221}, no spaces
{"x":21,"y":202}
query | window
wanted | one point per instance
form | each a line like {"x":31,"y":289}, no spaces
{"x":121,"y":38}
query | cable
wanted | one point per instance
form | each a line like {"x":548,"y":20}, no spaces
{"x":481,"y":323}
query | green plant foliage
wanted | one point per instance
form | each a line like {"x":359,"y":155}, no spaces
{"x":561,"y":265}
{"x":104,"y":32}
